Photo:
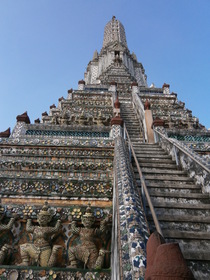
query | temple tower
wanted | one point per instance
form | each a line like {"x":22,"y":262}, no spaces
{"x":115,"y":62}
{"x":113,"y":168}
{"x":114,"y":32}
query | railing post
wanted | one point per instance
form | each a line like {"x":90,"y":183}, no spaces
{"x":143,"y":197}
{"x":155,"y":136}
{"x":130,"y":152}
{"x":124,"y":133}
{"x":175,"y":154}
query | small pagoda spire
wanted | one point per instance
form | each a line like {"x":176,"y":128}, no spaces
{"x":95,"y":55}
{"x":81,"y":85}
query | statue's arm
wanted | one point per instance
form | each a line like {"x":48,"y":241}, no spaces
{"x":11,"y":222}
{"x":74,"y":228}
{"x":56,"y":228}
{"x":103,"y":224}
{"x":8,"y":226}
{"x":29,"y":226}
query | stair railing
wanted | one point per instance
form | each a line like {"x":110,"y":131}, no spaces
{"x":176,"y":146}
{"x":144,"y":190}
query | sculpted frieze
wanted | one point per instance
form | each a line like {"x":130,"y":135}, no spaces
{"x":88,"y":102}
{"x":82,"y":110}
{"x":55,"y":187}
{"x":43,"y":237}
{"x":65,"y":165}
{"x":31,"y":152}
{"x":87,"y":252}
{"x":40,"y":251}
{"x":57,"y":174}
{"x":52,"y":141}
{"x":5,"y":248}
{"x":50,"y":273}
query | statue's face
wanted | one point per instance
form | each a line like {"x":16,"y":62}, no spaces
{"x":87,"y":222}
{"x":43,"y":220}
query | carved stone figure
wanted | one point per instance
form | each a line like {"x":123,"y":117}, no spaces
{"x":40,"y":250}
{"x":87,"y":251}
{"x":101,"y":120}
{"x":5,"y":248}
{"x":81,"y":119}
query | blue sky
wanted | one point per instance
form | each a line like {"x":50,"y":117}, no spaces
{"x":45,"y":46}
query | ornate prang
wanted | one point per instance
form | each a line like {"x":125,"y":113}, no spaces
{"x":114,"y":31}
{"x":87,"y":251}
{"x":5,"y":248}
{"x":40,"y":251}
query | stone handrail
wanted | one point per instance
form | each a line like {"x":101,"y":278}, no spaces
{"x":182,"y":149}
{"x":144,"y":187}
{"x":196,"y":167}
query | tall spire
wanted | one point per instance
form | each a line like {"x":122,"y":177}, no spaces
{"x":115,"y":58}
{"x":114,"y":31}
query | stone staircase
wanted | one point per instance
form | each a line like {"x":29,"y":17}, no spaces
{"x":132,"y":124}
{"x":182,"y":210}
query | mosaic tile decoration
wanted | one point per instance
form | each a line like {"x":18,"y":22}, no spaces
{"x":68,"y":133}
{"x":85,"y":142}
{"x":190,"y":138}
{"x":133,"y":226}
{"x":60,"y":187}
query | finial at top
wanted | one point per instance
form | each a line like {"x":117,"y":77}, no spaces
{"x":114,"y":31}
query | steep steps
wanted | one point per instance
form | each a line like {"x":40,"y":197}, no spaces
{"x":160,"y":171}
{"x":180,"y":206}
{"x":164,"y":177}
{"x":179,"y":195}
{"x":182,"y":209}
{"x":160,"y":166}
{"x":184,"y":219}
{"x":132,"y":124}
